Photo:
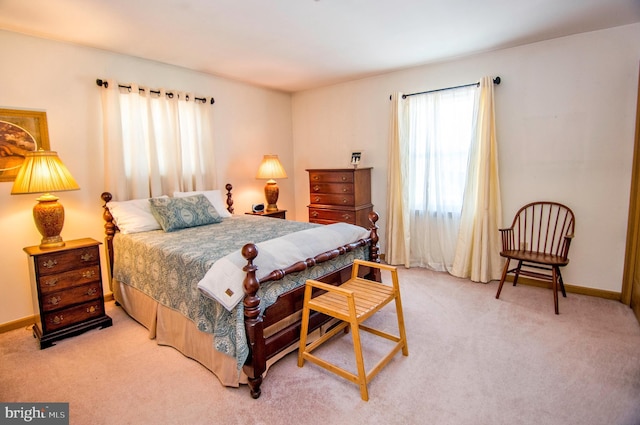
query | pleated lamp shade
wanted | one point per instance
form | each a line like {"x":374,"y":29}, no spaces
{"x":43,"y":172}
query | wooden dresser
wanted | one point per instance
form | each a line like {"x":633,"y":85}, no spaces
{"x":67,"y":290}
{"x":340,"y":195}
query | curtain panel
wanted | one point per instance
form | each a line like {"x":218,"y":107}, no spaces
{"x":478,"y":246}
{"x":438,"y":142}
{"x":155,"y":144}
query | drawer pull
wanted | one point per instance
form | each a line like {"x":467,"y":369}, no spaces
{"x":51,"y":282}
{"x":55,"y":300}
{"x":316,"y":177}
{"x":344,"y":178}
{"x":346,"y":217}
{"x":87,"y":256}
{"x":316,"y":188}
{"x":92,"y":291}
{"x":345,"y":190}
{"x":88,"y":274}
{"x":50,"y":264}
{"x":314,"y":214}
{"x":92,"y":309}
{"x":316,"y":199}
{"x":56,"y":320}
{"x":345,"y":201}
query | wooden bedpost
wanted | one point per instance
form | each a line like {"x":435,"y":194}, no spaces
{"x":109,"y":232}
{"x":373,"y":248}
{"x":229,"y":198}
{"x":257,"y":361}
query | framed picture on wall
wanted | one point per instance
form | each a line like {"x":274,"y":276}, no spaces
{"x":21,"y":131}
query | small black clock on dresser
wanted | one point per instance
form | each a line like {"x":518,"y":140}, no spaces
{"x":66,"y":290}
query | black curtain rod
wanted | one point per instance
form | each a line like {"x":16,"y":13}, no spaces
{"x":105,"y":84}
{"x":404,"y":96}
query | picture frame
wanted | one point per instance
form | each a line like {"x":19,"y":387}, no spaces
{"x":356,"y":157}
{"x":21,"y":131}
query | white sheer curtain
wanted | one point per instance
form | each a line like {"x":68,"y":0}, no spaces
{"x":154,"y":143}
{"x":434,"y":154}
{"x":434,"y":134}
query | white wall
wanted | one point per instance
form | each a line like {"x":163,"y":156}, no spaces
{"x":565,"y":122}
{"x":60,"y":79}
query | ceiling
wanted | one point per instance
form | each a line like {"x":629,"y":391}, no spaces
{"x":294,"y":45}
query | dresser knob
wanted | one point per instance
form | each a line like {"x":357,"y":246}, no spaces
{"x":55,"y":300}
{"x":92,"y":291}
{"x":316,"y":188}
{"x":92,"y":309}
{"x":314,"y":214}
{"x":50,"y":264}
{"x":316,"y":177}
{"x":87,"y":256}
{"x":344,"y":179}
{"x":316,"y":199}
{"x":346,"y":217}
{"x":88,"y":274}
{"x":345,"y":190}
{"x":56,"y":320}
{"x":345,"y":201}
{"x":51,"y":282}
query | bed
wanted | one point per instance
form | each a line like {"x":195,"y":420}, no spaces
{"x":176,"y":283}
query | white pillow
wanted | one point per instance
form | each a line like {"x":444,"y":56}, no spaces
{"x":214,"y":196}
{"x":134,"y":216}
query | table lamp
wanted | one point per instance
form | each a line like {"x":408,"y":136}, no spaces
{"x":271,"y":169}
{"x":43,"y":172}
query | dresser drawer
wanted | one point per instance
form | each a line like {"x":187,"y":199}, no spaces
{"x":337,"y":188}
{"x":69,"y":316}
{"x":322,"y":216}
{"x":80,"y":294}
{"x":52,"y":283}
{"x":67,"y":260}
{"x":330,"y":199}
{"x":330,"y":177}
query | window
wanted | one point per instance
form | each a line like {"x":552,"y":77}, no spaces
{"x":440,"y":132}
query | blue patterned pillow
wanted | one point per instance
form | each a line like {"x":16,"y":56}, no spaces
{"x":180,"y":213}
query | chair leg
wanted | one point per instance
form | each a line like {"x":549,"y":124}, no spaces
{"x":399,"y":313}
{"x":561,"y":282}
{"x":504,"y":276}
{"x":555,"y":290}
{"x":517,"y":275}
{"x":305,"y":326}
{"x":357,"y":349}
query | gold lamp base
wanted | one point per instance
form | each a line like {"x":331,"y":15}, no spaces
{"x":271,"y":193}
{"x":48,"y":214}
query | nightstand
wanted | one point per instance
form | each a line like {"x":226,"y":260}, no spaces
{"x":274,"y":214}
{"x":66,"y":287}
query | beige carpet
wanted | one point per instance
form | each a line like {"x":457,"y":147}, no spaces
{"x":472,"y":360}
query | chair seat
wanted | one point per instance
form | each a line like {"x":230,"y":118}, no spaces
{"x":536,"y":257}
{"x":369,"y":297}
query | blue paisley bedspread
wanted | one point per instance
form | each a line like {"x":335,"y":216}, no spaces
{"x":168,"y":267}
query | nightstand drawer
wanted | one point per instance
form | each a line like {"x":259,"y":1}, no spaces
{"x":62,"y":299}
{"x":67,"y":260}
{"x":330,"y":199}
{"x":321,"y":216}
{"x":52,"y":283}
{"x":64,"y":318}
